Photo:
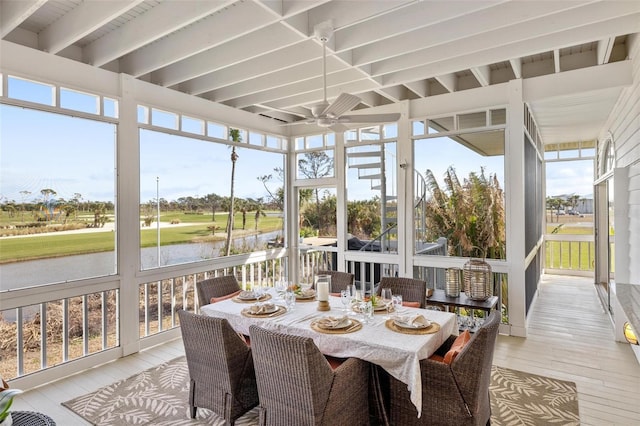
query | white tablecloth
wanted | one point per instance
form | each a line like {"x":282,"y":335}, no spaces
{"x":399,"y":354}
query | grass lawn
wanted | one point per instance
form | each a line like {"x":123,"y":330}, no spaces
{"x":52,"y":245}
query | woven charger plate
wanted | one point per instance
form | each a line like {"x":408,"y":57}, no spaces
{"x":352,"y":328}
{"x":246,"y":312}
{"x":262,"y":299}
{"x":433,"y":328}
{"x":301,"y":299}
{"x":356,"y":309}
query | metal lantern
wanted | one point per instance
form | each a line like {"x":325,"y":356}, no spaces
{"x":452,"y":284}
{"x":477,"y":279}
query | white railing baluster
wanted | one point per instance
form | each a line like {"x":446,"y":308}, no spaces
{"x":19,"y":342}
{"x":160,"y":304}
{"x":173,"y":301}
{"x":85,"y":325}
{"x":105,"y":318}
{"x":43,"y":335}
{"x":146,"y":309}
{"x":65,"y":330}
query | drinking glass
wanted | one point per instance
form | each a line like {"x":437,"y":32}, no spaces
{"x":345,"y":298}
{"x":397,"y":302}
{"x":387,"y":299}
{"x":281,"y":287}
{"x":290,"y":299}
{"x":366,"y":309}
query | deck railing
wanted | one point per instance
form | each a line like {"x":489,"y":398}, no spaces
{"x":56,"y":330}
{"x":567,"y":254}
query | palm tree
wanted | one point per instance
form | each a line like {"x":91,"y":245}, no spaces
{"x":234,"y":134}
{"x":259,"y":208}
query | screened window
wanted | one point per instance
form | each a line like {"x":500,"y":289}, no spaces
{"x":185,"y":199}
{"x":58,"y":195}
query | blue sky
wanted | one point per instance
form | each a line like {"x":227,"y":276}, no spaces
{"x":83,"y":162}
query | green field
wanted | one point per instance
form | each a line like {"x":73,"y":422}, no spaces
{"x":56,"y":245}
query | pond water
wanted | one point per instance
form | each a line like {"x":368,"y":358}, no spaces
{"x":68,"y":268}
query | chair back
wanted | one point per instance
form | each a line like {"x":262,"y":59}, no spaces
{"x":412,"y":290}
{"x":216,"y":287}
{"x":339,"y":280}
{"x":220,"y":365}
{"x":293,"y":377}
{"x":472,"y":366}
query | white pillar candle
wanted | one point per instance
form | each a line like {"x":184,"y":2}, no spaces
{"x":323,"y":290}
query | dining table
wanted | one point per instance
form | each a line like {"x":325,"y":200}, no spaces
{"x":378,"y":340}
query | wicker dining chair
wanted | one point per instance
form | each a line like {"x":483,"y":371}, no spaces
{"x":339,"y":280}
{"x":412,"y":290}
{"x":452,"y":394}
{"x":222,"y":376}
{"x":217,"y":287}
{"x":297,"y":385}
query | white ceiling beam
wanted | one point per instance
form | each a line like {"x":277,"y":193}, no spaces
{"x":158,"y":22}
{"x":604,"y":49}
{"x":313,"y":85}
{"x":13,"y":13}
{"x":395,"y":93}
{"x":529,"y":32}
{"x":198,"y":37}
{"x":80,"y":21}
{"x":420,"y":87}
{"x":404,"y":20}
{"x":313,"y":97}
{"x":627,"y":24}
{"x":276,"y":61}
{"x":448,"y":81}
{"x":261,"y":42}
{"x":344,"y":13}
{"x":556,"y":60}
{"x":606,"y":76}
{"x":516,"y":65}
{"x":486,"y":20}
{"x":482,"y":74}
{"x":370,"y":99}
{"x":336,"y":74}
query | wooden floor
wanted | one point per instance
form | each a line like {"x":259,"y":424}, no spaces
{"x":569,"y":338}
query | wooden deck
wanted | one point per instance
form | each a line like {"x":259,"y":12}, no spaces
{"x":569,"y":338}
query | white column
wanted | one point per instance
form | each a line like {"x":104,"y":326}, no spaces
{"x":128,"y":202}
{"x":515,"y":194}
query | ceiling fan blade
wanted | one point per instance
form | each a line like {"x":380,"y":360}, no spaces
{"x":343,"y":103}
{"x":370,"y":118}
{"x":338,"y":128}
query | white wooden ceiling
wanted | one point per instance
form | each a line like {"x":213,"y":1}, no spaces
{"x":261,"y":55}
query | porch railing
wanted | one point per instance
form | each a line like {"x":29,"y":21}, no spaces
{"x":570,"y":254}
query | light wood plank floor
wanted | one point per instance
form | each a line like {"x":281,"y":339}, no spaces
{"x":569,"y":338}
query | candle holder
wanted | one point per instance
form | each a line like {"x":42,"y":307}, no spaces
{"x":323,"y":305}
{"x":323,"y":284}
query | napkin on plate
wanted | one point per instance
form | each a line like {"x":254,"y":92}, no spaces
{"x":307,"y":293}
{"x":334,"y":322}
{"x":246,"y":294}
{"x":262,"y":308}
{"x":415,"y":321}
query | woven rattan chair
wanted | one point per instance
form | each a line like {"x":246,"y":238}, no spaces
{"x":455,"y":394}
{"x":297,"y":386}
{"x":222,"y":377}
{"x":339,"y":280}
{"x":412,"y":290}
{"x":216,"y":287}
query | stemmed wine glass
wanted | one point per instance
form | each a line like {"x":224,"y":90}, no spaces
{"x":290,"y":299}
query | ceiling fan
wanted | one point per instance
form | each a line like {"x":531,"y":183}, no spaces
{"x":325,"y":114}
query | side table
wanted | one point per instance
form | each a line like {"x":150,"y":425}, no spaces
{"x":31,"y":418}
{"x":439,"y":297}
